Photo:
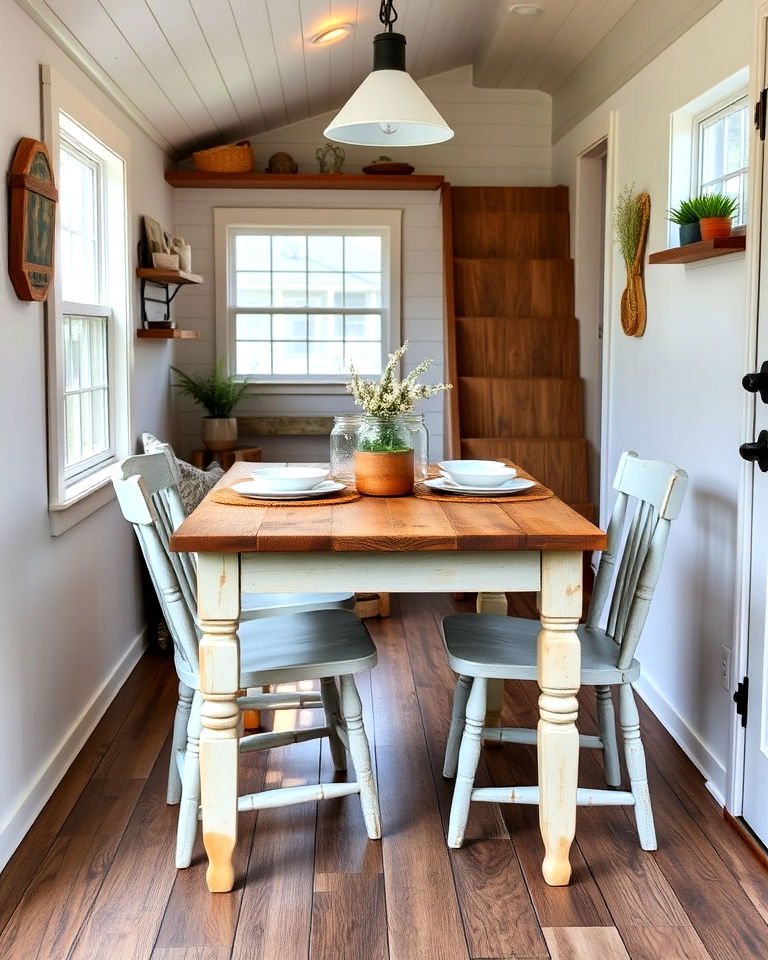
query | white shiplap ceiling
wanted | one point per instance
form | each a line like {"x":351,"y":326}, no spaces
{"x":197,"y":72}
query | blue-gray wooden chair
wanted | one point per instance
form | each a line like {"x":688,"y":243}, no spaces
{"x":487,"y":647}
{"x":329,"y":645}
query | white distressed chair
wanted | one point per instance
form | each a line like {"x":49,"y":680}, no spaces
{"x":326,"y":645}
{"x":163,"y":477}
{"x":487,"y":647}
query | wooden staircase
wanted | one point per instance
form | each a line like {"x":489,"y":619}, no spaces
{"x":512,"y":337}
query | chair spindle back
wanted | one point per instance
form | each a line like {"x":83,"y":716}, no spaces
{"x":138,"y":508}
{"x":160,"y":473}
{"x":658,"y":489}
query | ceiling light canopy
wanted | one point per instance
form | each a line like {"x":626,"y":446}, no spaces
{"x":332,"y":34}
{"x":525,"y":9}
{"x":388,"y":109}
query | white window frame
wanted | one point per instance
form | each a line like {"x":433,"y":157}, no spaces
{"x":707,"y":118}
{"x":75,"y":494}
{"x":227,"y":220}
{"x":683,"y":143}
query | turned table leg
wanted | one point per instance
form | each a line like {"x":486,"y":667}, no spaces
{"x":493,"y":603}
{"x":218,"y":577}
{"x":559,"y":676}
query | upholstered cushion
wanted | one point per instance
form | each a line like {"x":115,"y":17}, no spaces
{"x":193,"y":483}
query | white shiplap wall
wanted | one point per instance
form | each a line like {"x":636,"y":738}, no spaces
{"x":422,"y":304}
{"x":502,"y":137}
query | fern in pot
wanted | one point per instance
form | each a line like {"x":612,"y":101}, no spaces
{"x":392,"y":443}
{"x":217,"y":392}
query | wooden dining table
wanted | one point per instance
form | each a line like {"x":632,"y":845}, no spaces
{"x":404,"y":544}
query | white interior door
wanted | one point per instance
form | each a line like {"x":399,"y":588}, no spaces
{"x":755,"y":808}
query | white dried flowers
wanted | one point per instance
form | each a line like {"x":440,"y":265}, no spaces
{"x":389,"y":396}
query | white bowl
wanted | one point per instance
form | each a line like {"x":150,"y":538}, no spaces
{"x":284,"y":479}
{"x":477,"y":473}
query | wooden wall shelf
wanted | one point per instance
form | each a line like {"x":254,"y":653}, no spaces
{"x":167,"y":276}
{"x":302,"y":181}
{"x":166,"y":333}
{"x":702,"y":250}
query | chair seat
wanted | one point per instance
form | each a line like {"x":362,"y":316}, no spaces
{"x":254,"y":605}
{"x":484,"y":645}
{"x":300,"y":646}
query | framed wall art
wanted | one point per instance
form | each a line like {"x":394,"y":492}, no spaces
{"x":32,"y":220}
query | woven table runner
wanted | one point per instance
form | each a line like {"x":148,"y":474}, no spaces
{"x":232,"y":498}
{"x":538,"y":492}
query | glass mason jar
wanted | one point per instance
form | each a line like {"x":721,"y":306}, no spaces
{"x":405,"y":438}
{"x":343,"y":446}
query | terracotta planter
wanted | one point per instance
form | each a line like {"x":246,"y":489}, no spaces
{"x":712,"y":227}
{"x":219,"y":433}
{"x":384,"y":474}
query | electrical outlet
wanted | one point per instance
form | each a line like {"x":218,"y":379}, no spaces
{"x":725,"y":668}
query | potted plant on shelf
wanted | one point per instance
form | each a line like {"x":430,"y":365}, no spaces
{"x":390,"y":432}
{"x":715,"y":212}
{"x":687,"y":219}
{"x":218,"y":393}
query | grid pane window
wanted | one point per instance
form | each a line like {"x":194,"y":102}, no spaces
{"x":307,"y":303}
{"x":86,"y":388}
{"x":78,"y":231}
{"x":724,"y":154}
{"x":85,"y":334}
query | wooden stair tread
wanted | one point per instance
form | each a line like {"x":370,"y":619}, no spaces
{"x":513,"y":338}
{"x":540,"y":235}
{"x":517,"y":347}
{"x":509,"y":199}
{"x":523,"y":406}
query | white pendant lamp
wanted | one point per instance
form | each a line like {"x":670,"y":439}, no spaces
{"x":388,"y":109}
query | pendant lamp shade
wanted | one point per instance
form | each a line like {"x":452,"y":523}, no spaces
{"x":388,"y":109}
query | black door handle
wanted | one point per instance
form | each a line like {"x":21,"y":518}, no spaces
{"x":757,"y":451}
{"x":757,"y":382}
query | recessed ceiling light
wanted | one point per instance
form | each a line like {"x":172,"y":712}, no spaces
{"x":332,"y":34}
{"x":525,"y":9}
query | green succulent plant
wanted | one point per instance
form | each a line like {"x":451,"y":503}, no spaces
{"x":217,"y":391}
{"x":686,"y":212}
{"x":714,"y":205}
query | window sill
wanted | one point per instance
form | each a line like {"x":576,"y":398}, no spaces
{"x":83,"y":499}
{"x":296,"y":388}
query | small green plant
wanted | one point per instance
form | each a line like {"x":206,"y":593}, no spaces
{"x":714,"y":205}
{"x":684,"y":213}
{"x":388,"y":398}
{"x":217,"y":391}
{"x":628,"y":223}
{"x":388,"y":438}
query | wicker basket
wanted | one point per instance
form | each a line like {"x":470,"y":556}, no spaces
{"x":232,"y":158}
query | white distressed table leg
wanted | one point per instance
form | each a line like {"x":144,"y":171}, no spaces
{"x":493,"y":603}
{"x":559,"y":668}
{"x":218,"y":604}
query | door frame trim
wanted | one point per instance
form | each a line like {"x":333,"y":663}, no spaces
{"x":734,"y":786}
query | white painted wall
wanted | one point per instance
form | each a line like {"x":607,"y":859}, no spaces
{"x":72,"y":620}
{"x":675,"y":393}
{"x":502,"y":137}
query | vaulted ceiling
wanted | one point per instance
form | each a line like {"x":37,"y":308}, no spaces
{"x":196,"y":72}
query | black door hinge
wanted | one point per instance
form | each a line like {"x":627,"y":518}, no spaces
{"x":741,"y":699}
{"x":760,"y":112}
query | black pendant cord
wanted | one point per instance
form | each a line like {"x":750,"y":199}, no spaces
{"x":387,"y":14}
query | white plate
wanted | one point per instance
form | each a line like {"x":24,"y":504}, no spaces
{"x":248,"y":488}
{"x":516,"y":485}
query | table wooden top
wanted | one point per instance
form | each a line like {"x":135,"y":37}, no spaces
{"x":384,"y":524}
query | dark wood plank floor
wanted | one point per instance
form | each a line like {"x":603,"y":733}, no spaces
{"x":94,"y":878}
